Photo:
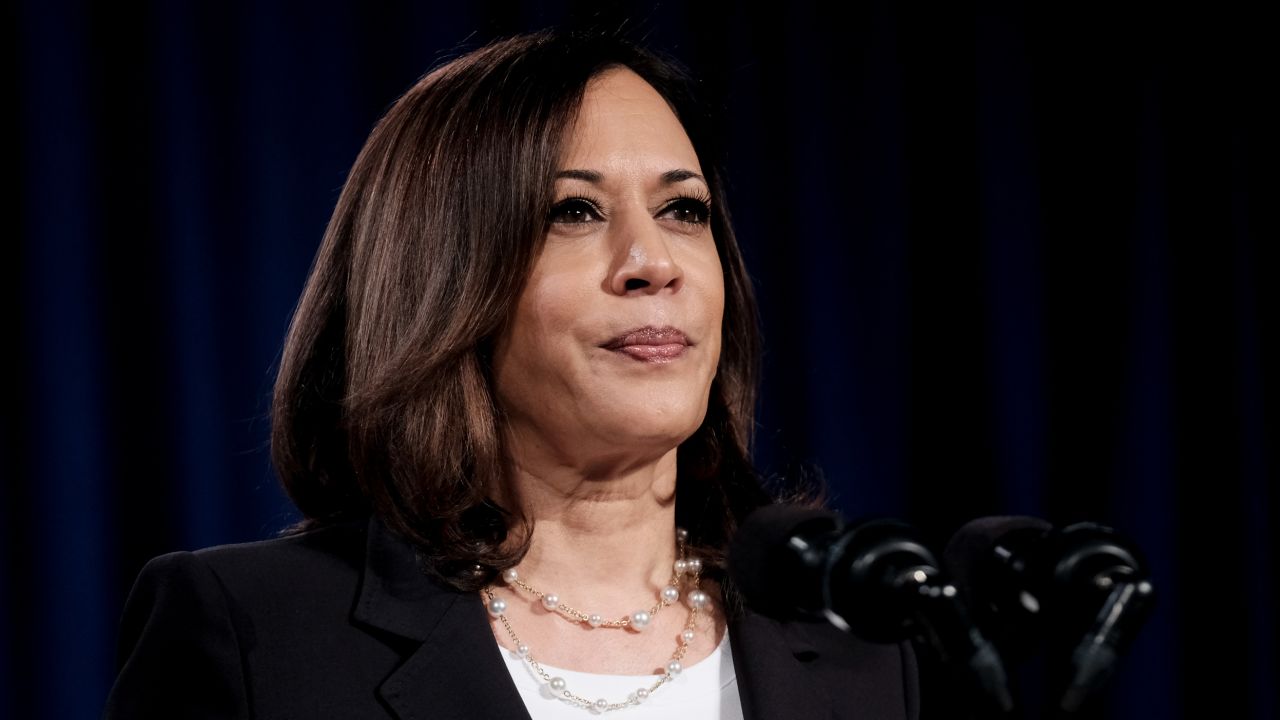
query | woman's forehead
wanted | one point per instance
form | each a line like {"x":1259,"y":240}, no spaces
{"x":625,"y":127}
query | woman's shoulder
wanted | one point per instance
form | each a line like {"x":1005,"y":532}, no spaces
{"x":315,"y":562}
{"x":263,"y":628}
{"x":338,"y":543}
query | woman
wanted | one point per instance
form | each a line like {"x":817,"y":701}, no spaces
{"x":514,"y":408}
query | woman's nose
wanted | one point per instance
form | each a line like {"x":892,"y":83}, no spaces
{"x":643,"y":263}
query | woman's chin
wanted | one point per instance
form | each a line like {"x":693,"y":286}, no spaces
{"x":652,"y":430}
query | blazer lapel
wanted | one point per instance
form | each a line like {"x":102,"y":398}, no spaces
{"x":773,"y":681}
{"x":457,"y":670}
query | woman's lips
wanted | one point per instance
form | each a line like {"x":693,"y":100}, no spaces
{"x":650,"y":344}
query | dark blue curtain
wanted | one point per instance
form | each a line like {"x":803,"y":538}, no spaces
{"x":1008,"y":262}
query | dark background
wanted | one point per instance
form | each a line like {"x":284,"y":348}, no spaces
{"x":1008,"y":262}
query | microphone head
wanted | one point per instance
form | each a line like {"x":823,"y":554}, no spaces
{"x":971,"y":554}
{"x":792,"y":561}
{"x":777,"y":558}
{"x":989,"y":560}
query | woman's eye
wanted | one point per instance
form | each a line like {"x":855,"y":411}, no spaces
{"x":574,"y":211}
{"x":689,"y":210}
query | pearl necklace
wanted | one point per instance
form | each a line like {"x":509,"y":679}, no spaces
{"x":636,"y":621}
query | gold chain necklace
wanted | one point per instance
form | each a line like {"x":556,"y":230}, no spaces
{"x":690,"y":568}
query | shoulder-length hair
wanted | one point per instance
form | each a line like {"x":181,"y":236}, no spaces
{"x":384,"y":402}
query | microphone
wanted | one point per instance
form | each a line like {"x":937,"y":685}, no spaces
{"x":1082,"y":584}
{"x":875,"y":579}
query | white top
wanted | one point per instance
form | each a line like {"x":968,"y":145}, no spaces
{"x":707,"y":690}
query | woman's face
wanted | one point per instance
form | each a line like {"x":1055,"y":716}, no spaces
{"x":615,"y":339}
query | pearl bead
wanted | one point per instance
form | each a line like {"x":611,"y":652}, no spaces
{"x":680,"y":567}
{"x":550,"y":601}
{"x":674,"y":668}
{"x":642,"y":693}
{"x":509,"y":576}
{"x":602,"y":704}
{"x":687,"y":636}
{"x":594,"y":620}
{"x":693,"y":566}
{"x":557,"y":684}
{"x":497,"y":606}
{"x":682,"y":534}
{"x":698,"y":599}
{"x":640,"y":619}
{"x":670,"y":594}
{"x":522,"y":650}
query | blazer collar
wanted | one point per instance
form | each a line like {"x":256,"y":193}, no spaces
{"x":770,"y":661}
{"x":395,"y":594}
{"x":458,"y":670}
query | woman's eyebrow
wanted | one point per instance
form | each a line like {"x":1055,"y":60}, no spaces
{"x":669,"y":177}
{"x":590,"y":176}
{"x":674,"y":176}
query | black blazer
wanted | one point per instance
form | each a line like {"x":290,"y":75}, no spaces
{"x":342,"y":623}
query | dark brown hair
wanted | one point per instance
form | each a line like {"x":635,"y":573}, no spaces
{"x":384,"y":401}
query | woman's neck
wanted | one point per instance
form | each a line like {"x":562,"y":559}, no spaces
{"x":601,"y":538}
